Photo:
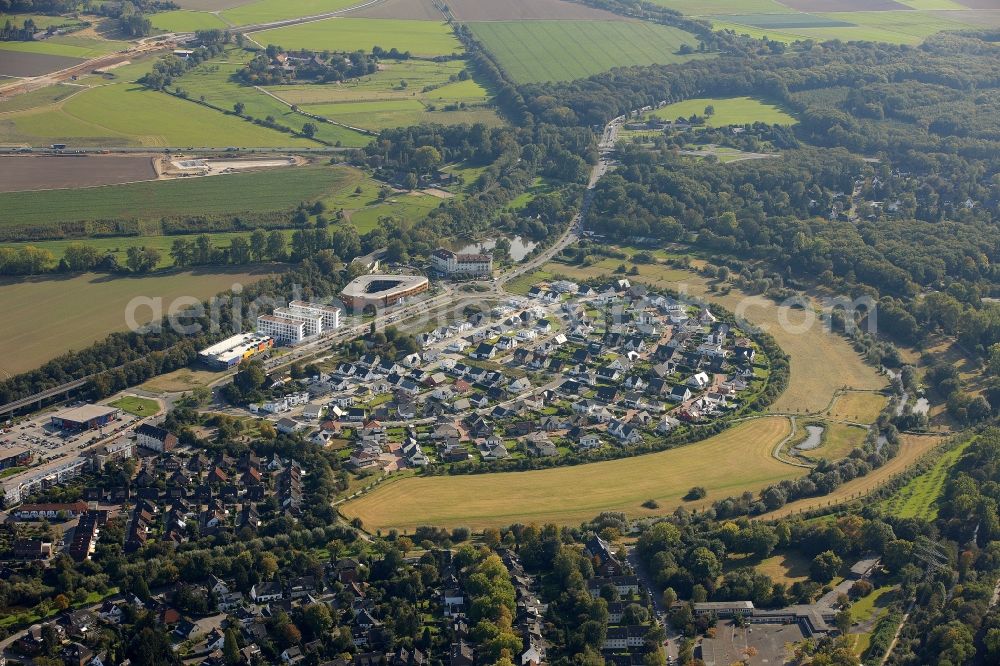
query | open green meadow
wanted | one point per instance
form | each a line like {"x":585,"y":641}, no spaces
{"x":89,"y":307}
{"x":261,"y":191}
{"x":37,"y":98}
{"x":421,"y":38}
{"x":402,"y":92}
{"x":364,"y":208}
{"x":212,"y":81}
{"x":127,"y":114}
{"x":71,"y":46}
{"x":183,"y":20}
{"x":268,"y":11}
{"x":42,"y":21}
{"x":919,"y":497}
{"x":839,"y":439}
{"x":728,"y":111}
{"x":707,"y":7}
{"x":133,"y":404}
{"x":538,"y":51}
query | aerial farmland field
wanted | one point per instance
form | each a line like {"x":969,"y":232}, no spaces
{"x":422,"y":38}
{"x":21,"y":173}
{"x":537,"y":51}
{"x":186,"y":21}
{"x":279,"y":189}
{"x":267,"y":11}
{"x":90,"y":306}
{"x":126,"y":114}
{"x":736,"y":460}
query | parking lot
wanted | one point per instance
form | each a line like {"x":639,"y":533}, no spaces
{"x":768,"y":644}
{"x":46,"y":442}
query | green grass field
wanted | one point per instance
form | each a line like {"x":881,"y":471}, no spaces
{"x":42,"y":21}
{"x":919,"y":497}
{"x":537,"y":51}
{"x":399,"y":113}
{"x":89,"y":307}
{"x":736,"y":460}
{"x":67,"y":45}
{"x":186,"y":21}
{"x":898,"y":27}
{"x":268,"y":11}
{"x":133,"y":404}
{"x":212,"y":80}
{"x":37,"y":98}
{"x":707,"y":7}
{"x":273,"y":190}
{"x":127,"y":114}
{"x":364,"y":208}
{"x":728,"y":111}
{"x":423,"y":38}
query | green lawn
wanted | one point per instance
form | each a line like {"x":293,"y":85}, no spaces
{"x":423,"y":38}
{"x":133,"y":404}
{"x":728,"y":111}
{"x":127,"y":114}
{"x":186,"y":21}
{"x":538,"y":51}
{"x":262,"y":191}
{"x":268,"y":11}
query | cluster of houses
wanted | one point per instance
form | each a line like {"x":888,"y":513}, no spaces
{"x":528,"y":621}
{"x":625,"y":643}
{"x":572,"y":367}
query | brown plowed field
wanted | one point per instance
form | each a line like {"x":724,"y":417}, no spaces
{"x":48,"y":172}
{"x":845,"y":5}
{"x":525,"y":10}
{"x":15,"y":63}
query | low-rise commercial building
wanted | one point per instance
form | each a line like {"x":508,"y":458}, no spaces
{"x":232,"y":351}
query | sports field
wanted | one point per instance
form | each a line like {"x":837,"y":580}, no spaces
{"x":736,"y":460}
{"x":274,"y":190}
{"x":83,"y":309}
{"x":537,"y":51}
{"x":913,"y":448}
{"x":268,"y":11}
{"x":127,"y":114}
{"x":919,"y":497}
{"x":727,"y":111}
{"x":133,"y":404}
{"x":422,"y":38}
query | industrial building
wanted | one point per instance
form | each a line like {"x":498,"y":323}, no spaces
{"x":381,"y":291}
{"x":16,"y":456}
{"x":85,"y":417}
{"x":298,"y":321}
{"x":232,"y":351}
{"x":461,"y":265}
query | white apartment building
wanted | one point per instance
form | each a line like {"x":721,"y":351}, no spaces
{"x":471,"y":265}
{"x":281,"y":329}
{"x":330,"y":314}
{"x":298,"y":321}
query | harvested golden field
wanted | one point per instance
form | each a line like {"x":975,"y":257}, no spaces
{"x":734,"y":461}
{"x":859,"y":407}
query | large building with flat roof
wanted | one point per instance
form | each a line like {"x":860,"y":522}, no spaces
{"x":85,"y":417}
{"x":461,"y":265}
{"x":300,"y":320}
{"x":381,"y":291}
{"x":231,"y":351}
